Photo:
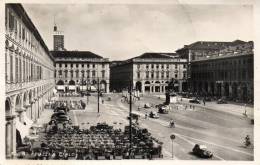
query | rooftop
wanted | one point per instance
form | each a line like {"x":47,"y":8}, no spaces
{"x":74,"y":54}
{"x":156,"y":55}
{"x":211,"y":45}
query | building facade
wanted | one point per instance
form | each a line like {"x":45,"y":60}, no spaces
{"x":226,"y":73}
{"x":80,"y":71}
{"x":29,"y":75}
{"x":202,"y":49}
{"x":58,"y":39}
{"x":149,"y":73}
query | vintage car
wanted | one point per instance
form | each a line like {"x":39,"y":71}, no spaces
{"x":202,"y":151}
{"x":195,"y":101}
{"x":221,"y":101}
{"x":164,"y":109}
{"x":153,"y":114}
{"x":147,"y":105}
{"x":134,"y":116}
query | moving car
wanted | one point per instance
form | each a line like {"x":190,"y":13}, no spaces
{"x":202,"y":151}
{"x":195,"y":101}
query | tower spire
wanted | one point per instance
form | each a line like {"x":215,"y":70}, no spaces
{"x":55,"y":26}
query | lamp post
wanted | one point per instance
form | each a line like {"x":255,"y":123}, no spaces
{"x":87,"y":91}
{"x":130,"y":118}
{"x":172,"y":138}
{"x":98,"y":92}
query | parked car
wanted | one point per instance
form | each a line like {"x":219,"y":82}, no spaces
{"x":153,"y":115}
{"x":159,"y":105}
{"x":147,"y":105}
{"x":221,"y":101}
{"x":164,"y":109}
{"x":202,"y":151}
{"x":208,"y":99}
{"x":195,"y":101}
{"x":135,"y":116}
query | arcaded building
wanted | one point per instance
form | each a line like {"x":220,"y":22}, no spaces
{"x":226,"y":73}
{"x":149,"y":73}
{"x":77,"y":71}
{"x":29,"y":75}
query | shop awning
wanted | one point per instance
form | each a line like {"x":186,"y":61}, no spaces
{"x":72,"y":87}
{"x":60,"y":87}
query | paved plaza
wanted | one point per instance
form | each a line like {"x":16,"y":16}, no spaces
{"x":221,"y":128}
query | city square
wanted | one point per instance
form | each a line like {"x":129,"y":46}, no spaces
{"x":192,"y":103}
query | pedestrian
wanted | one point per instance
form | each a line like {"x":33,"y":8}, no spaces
{"x":204,"y":102}
{"x":190,"y":106}
{"x":193,"y":107}
{"x":145,"y":115}
{"x":185,"y":107}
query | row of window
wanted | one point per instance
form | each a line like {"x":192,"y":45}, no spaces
{"x":21,"y":32}
{"x":71,"y":72}
{"x":82,"y":65}
{"x":157,"y":74}
{"x":241,"y":74}
{"x":157,"y":66}
{"x":22,"y":71}
{"x":224,"y":64}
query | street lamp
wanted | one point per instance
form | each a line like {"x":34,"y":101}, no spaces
{"x":130,"y":118}
{"x":172,"y":136}
{"x":98,"y":92}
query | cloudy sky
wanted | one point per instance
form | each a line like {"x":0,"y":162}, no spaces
{"x":118,"y":31}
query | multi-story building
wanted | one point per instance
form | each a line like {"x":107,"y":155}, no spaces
{"x":81,"y":71}
{"x":149,"y":72}
{"x":29,"y":75}
{"x":228,"y":73}
{"x":202,"y":49}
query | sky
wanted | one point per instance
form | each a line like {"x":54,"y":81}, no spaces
{"x":123,"y":31}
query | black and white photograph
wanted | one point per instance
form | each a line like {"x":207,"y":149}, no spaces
{"x":129,"y":81}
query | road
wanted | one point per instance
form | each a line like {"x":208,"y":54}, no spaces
{"x":223,"y":133}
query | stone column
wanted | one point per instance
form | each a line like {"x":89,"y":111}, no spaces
{"x":230,"y":90}
{"x":142,"y":86}
{"x":14,"y":136}
{"x":107,"y":87}
{"x":20,"y":113}
{"x":180,"y":86}
{"x":32,"y":111}
{"x":222,"y":89}
{"x":8,"y":137}
{"x":209,"y":88}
